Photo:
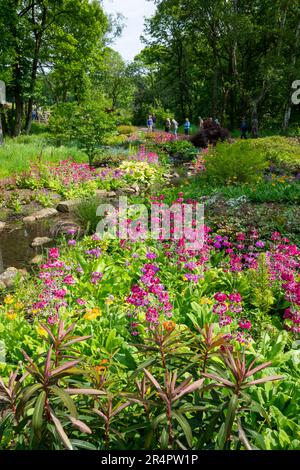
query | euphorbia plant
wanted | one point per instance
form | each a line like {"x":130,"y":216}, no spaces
{"x":235,"y":378}
{"x":170,"y":393}
{"x":39,"y":398}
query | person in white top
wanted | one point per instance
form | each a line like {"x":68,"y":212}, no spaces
{"x":175,"y":126}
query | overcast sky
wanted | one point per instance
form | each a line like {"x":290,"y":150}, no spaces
{"x":134,"y":11}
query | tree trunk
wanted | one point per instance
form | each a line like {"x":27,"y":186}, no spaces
{"x":37,"y":47}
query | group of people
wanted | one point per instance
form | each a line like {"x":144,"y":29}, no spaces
{"x":171,"y":125}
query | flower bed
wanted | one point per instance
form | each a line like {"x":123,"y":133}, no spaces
{"x":151,"y":317}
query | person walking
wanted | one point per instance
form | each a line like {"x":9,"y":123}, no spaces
{"x":187,"y":127}
{"x":244,"y":129}
{"x":175,"y":126}
{"x":168,"y":125}
{"x":154,"y":119}
{"x":150,"y":124}
{"x":200,"y":123}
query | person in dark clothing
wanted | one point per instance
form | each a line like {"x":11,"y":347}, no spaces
{"x":168,"y":125}
{"x":244,"y":129}
{"x":154,"y":121}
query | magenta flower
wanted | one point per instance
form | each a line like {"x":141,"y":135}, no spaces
{"x":220,"y":297}
{"x":69,"y":280}
{"x":245,"y":324}
{"x":54,"y":253}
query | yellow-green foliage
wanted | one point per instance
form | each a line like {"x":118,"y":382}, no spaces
{"x":127,"y":130}
{"x":235,"y":162}
{"x":262,"y":295}
{"x":282,"y":151}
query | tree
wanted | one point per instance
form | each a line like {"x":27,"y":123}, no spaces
{"x":40,"y":34}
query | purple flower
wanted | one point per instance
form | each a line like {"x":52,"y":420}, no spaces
{"x":151,"y":255}
{"x":72,"y":242}
{"x":96,"y":277}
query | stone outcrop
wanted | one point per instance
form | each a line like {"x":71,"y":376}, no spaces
{"x":10,"y":275}
{"x":40,"y":241}
{"x":40,"y":215}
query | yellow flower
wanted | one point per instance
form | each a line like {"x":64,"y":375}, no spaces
{"x":19,"y":305}
{"x":205,"y":301}
{"x":11,"y":315}
{"x":9,"y":300}
{"x":92,"y":314}
{"x":41,"y":331}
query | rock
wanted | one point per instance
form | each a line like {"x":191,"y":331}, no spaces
{"x":68,"y":206}
{"x":63,"y":227}
{"x":42,"y":214}
{"x":128,"y":190}
{"x":136,"y":188}
{"x":10,"y":275}
{"x":103,"y":194}
{"x":2,"y":226}
{"x":40,"y":241}
{"x":36,"y":260}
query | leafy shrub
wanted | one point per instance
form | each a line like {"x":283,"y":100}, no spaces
{"x":282,"y":152}
{"x":127,"y":130}
{"x":116,"y":140}
{"x":87,"y":123}
{"x":229,"y":163}
{"x":139,"y":172}
{"x":181,"y":149}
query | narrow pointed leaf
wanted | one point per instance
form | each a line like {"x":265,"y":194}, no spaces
{"x":62,"y":368}
{"x":155,"y":384}
{"x":183,"y":423}
{"x":65,"y":440}
{"x":251,"y":372}
{"x":37,"y":417}
{"x":189,"y":389}
{"x":271,"y":378}
{"x":80,"y":425}
{"x":66,"y":399}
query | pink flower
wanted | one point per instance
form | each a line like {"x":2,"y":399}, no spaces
{"x":235,"y":297}
{"x":69,"y":280}
{"x":220,"y":297}
{"x":54,"y":253}
{"x":245,"y":324}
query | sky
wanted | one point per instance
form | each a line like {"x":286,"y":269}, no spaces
{"x":134,"y":12}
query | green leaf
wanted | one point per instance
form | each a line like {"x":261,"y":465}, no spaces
{"x":230,"y":415}
{"x":164,"y":439}
{"x":37,"y":417}
{"x":183,"y":422}
{"x":78,"y":444}
{"x":66,"y":399}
